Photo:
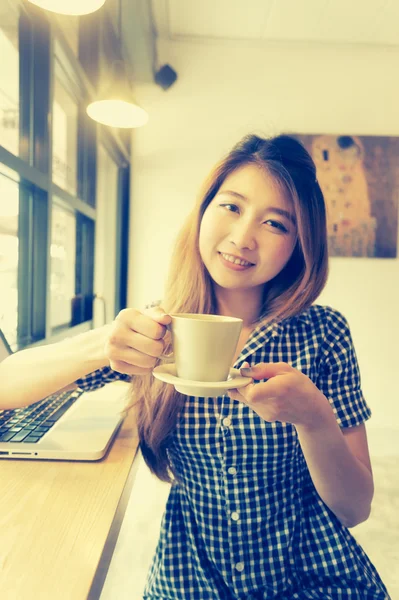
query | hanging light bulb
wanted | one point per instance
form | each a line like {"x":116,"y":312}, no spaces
{"x":70,"y":7}
{"x":115,"y":106}
{"x":117,"y":113}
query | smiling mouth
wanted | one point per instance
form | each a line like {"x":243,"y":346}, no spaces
{"x":236,"y":261}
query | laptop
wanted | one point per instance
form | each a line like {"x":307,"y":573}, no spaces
{"x":70,"y":425}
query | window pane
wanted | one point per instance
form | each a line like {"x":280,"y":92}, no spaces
{"x":65,"y":128}
{"x":106,"y":238}
{"x":9,"y":210}
{"x":82,"y":309}
{"x":9,"y":77}
{"x":63,"y":262}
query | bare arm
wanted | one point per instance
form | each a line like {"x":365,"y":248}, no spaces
{"x":130,"y":345}
{"x":30,"y":375}
{"x":339,"y":465}
{"x":338,"y":461}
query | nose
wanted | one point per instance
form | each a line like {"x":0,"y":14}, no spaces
{"x":243,"y":235}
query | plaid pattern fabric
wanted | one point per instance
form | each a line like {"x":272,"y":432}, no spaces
{"x":243,"y":520}
{"x":99,"y":378}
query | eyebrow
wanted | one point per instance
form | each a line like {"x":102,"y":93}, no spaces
{"x":275,"y":209}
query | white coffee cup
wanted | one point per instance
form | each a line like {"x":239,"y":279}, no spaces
{"x":204,"y":345}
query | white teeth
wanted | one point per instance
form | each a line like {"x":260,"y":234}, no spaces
{"x":236,"y":261}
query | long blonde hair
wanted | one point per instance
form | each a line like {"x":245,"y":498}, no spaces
{"x":189,"y":287}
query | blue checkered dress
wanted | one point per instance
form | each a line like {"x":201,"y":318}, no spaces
{"x":245,"y":521}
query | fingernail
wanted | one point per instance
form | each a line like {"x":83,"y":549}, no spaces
{"x":246,"y":371}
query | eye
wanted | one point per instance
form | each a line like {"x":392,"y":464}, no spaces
{"x":230,"y":207}
{"x":277,"y":225}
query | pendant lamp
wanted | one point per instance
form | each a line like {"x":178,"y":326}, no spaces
{"x":70,"y":7}
{"x":115,"y":105}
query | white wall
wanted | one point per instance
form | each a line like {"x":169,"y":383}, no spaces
{"x":226,"y":91}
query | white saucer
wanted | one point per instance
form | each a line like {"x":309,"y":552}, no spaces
{"x":212,"y":389}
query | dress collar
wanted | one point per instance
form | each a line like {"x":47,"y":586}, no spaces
{"x":266,"y":330}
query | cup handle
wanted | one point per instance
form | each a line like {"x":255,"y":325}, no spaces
{"x":168,"y":327}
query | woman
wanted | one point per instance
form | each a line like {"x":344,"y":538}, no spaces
{"x":267,"y":480}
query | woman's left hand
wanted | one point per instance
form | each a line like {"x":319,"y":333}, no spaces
{"x":288,"y":395}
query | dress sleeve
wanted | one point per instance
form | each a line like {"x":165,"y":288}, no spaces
{"x":99,"y":378}
{"x":339,"y":375}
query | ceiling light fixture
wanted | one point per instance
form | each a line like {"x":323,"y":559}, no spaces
{"x":115,"y":105}
{"x":70,"y":7}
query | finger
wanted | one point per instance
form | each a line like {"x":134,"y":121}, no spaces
{"x":263,"y":392}
{"x":128,"y":369}
{"x":265,"y":370}
{"x":247,"y":391}
{"x":159,"y":315}
{"x":152,"y":324}
{"x":133,"y":358}
{"x":145,"y":345}
{"x":234,"y":394}
{"x":243,"y":394}
{"x":124,"y":339}
{"x":167,"y":338}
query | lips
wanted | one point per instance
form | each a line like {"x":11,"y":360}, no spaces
{"x":233,"y":258}
{"x":234,"y":266}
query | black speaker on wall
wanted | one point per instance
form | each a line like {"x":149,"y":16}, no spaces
{"x":165,"y":77}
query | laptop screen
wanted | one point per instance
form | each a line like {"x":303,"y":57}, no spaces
{"x":5,"y":349}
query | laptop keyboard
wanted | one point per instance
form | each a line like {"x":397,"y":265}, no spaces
{"x":30,"y":423}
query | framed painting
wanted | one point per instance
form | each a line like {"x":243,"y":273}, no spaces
{"x":359,"y":177}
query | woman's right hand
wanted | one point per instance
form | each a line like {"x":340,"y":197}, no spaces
{"x":136,"y":340}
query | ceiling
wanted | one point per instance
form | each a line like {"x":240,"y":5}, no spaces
{"x":261,"y":21}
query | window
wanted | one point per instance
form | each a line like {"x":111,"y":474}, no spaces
{"x":23,"y":248}
{"x":106,"y":237}
{"x":63,"y":265}
{"x":71,"y":271}
{"x":65,"y":134}
{"x":9,"y":80}
{"x":9,"y":250}
{"x":48,"y":178}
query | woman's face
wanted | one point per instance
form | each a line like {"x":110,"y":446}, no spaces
{"x":250,"y":219}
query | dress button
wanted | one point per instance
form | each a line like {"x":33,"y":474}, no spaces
{"x":240,"y":566}
{"x":232,"y":471}
{"x":235,"y":516}
{"x":226,"y":421}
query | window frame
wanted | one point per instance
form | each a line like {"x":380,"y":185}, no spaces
{"x":39,"y":37}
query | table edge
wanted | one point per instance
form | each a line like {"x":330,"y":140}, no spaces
{"x":113,"y":534}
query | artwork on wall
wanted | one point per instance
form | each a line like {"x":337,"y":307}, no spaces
{"x":359,"y":177}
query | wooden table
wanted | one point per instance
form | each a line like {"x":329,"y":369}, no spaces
{"x":59,"y":521}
